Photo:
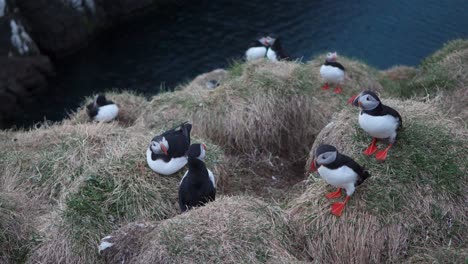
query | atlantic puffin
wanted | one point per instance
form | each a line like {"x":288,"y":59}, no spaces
{"x":198,"y":185}
{"x":102,"y":110}
{"x":166,"y":152}
{"x":340,"y":171}
{"x":378,"y":120}
{"x":266,"y":46}
{"x":332,"y":72}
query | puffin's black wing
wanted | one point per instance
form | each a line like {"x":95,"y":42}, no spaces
{"x":186,"y":128}
{"x":278,"y":48}
{"x":335,"y":64}
{"x":349,"y":162}
{"x":92,"y":110}
{"x":196,"y":189}
{"x":160,"y":156}
{"x":387,"y":110}
{"x":178,"y":145}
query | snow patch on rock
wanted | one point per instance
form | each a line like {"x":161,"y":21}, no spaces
{"x":20,"y":39}
{"x":82,"y":5}
{"x":2,"y":7}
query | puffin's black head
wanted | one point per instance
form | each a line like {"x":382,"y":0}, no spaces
{"x":367,"y":100}
{"x":325,"y":154}
{"x":196,"y":151}
{"x":101,"y":100}
{"x":159,"y":145}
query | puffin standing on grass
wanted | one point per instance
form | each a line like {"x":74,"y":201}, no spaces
{"x":166,"y":152}
{"x":340,"y":171}
{"x":198,"y":186}
{"x":102,"y":110}
{"x":378,"y":120}
{"x":268,"y":47}
{"x":332,"y":72}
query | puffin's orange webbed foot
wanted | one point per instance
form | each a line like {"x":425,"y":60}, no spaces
{"x":337,"y":208}
{"x":332,"y":195}
{"x":372,"y":148}
{"x":325,"y":86}
{"x":382,"y":155}
{"x":337,"y":90}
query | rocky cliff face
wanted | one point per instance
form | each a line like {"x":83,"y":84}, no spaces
{"x":33,"y":31}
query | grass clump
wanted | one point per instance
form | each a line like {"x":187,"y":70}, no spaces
{"x":16,"y":235}
{"x":410,"y":207}
{"x":443,"y":72}
{"x":229,"y":230}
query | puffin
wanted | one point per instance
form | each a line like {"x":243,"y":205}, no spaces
{"x":102,"y":110}
{"x":166,"y":152}
{"x":266,"y":46}
{"x":378,"y":120}
{"x":340,"y":171}
{"x":332,"y":72}
{"x":198,"y":185}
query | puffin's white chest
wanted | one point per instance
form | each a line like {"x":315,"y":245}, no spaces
{"x":210,"y":174}
{"x":271,"y":55}
{"x":255,"y":53}
{"x":379,"y":126}
{"x":332,"y":74}
{"x":107,"y":113}
{"x":341,"y":177}
{"x":165,"y":168}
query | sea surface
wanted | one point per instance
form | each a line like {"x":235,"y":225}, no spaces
{"x":159,"y":51}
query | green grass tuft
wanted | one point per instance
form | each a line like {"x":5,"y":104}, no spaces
{"x":423,"y":157}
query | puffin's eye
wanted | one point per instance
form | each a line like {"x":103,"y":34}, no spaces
{"x":367,"y":98}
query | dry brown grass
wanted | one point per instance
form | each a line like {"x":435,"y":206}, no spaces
{"x":199,"y":83}
{"x":85,"y":180}
{"x":229,"y":230}
{"x":400,"y":73}
{"x":15,"y":227}
{"x":409,"y":208}
{"x":258,"y":111}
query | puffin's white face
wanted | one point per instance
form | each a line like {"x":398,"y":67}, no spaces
{"x":160,"y":147}
{"x":367,"y":102}
{"x":263,"y":41}
{"x":331,"y":56}
{"x":326,"y":158}
{"x":270,"y":40}
{"x":202,"y":152}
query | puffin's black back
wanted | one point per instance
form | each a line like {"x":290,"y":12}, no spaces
{"x":178,"y":139}
{"x":334,"y":64}
{"x":278,"y":49}
{"x":196,"y":189}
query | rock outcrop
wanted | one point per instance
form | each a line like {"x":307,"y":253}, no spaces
{"x":31,"y":32}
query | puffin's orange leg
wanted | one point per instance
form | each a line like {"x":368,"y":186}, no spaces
{"x":332,"y":195}
{"x":337,"y":89}
{"x":325,"y":86}
{"x":372,"y":148}
{"x":337,"y":208}
{"x":382,"y":155}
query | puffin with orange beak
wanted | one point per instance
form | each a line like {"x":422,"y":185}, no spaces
{"x":340,"y":171}
{"x":166,"y":152}
{"x":378,"y":120}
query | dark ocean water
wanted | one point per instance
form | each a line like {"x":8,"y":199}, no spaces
{"x":158,"y":51}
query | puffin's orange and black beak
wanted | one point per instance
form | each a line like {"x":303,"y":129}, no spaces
{"x":163,"y":148}
{"x":354,"y":100}
{"x":313,"y":166}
